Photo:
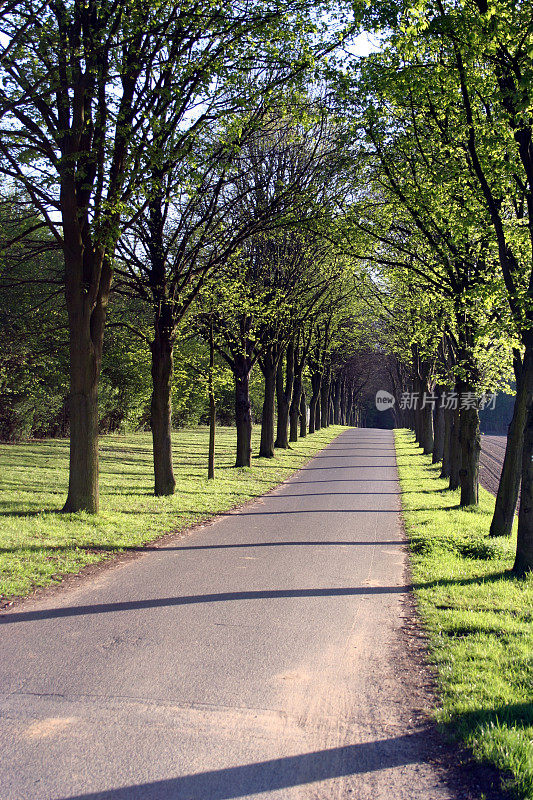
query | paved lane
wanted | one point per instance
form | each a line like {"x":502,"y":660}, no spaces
{"x":261,"y":656}
{"x":491,"y":462}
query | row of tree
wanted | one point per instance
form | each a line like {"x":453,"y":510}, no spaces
{"x":442,"y":123}
{"x":169,"y":147}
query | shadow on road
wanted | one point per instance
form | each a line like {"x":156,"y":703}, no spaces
{"x":277,"y":774}
{"x":163,"y":548}
{"x":187,"y":600}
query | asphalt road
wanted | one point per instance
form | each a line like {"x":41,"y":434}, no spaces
{"x":264,"y":655}
{"x":491,"y":461}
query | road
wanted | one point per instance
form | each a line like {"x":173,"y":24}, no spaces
{"x":491,"y":461}
{"x":270,"y":654}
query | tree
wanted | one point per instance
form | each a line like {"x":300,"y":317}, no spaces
{"x":188,"y":231}
{"x":479,"y":58}
{"x":233,"y":308}
{"x":298,"y":271}
{"x":82,"y":96}
{"x":424,"y":215}
{"x":257,"y":291}
{"x":33,"y":357}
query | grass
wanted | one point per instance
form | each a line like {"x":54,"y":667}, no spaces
{"x":479,"y":618}
{"x":38,"y":545}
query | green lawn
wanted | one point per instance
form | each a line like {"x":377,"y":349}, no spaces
{"x":479,"y":618}
{"x":38,"y":545}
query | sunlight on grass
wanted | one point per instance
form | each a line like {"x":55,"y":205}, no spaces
{"x":38,"y":545}
{"x":480,"y":618}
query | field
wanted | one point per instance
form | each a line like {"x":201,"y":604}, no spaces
{"x":479,"y":618}
{"x":38,"y":544}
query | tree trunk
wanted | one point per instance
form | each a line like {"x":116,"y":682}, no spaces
{"x":349,"y":406}
{"x":351,"y":409}
{"x":470,"y":449}
{"x":268,"y":367}
{"x":318,"y":423}
{"x":243,"y":416}
{"x":418,"y":426}
{"x":86,"y":335}
{"x":280,"y":403}
{"x":427,"y":429}
{"x":311,"y":416}
{"x":324,"y":399}
{"x":160,"y":409}
{"x":438,"y":423}
{"x":83,"y":409}
{"x":284,"y":397}
{"x":344,"y":393}
{"x":294,"y":414}
{"x":446,"y":451}
{"x":303,"y":415}
{"x":455,"y":451}
{"x":212,"y":406}
{"x":315,"y":383}
{"x":509,"y":486}
{"x":336,"y":401}
{"x":524,"y":546}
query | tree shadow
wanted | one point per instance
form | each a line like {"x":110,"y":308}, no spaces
{"x":268,"y":512}
{"x":186,"y":600}
{"x":148,"y":548}
{"x":351,"y":456}
{"x":513,"y":714}
{"x":66,"y":548}
{"x":279,"y":773}
{"x":35,"y":513}
{"x":330,"y":494}
{"x":353,"y":447}
{"x":352,"y":466}
{"x":429,"y":491}
{"x":491,"y":578}
{"x":455,"y":507}
{"x":297,"y":482}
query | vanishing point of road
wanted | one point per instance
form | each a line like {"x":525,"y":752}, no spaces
{"x":269,"y":654}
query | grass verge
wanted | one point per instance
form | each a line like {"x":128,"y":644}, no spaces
{"x":38,"y":545}
{"x":479,"y":618}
